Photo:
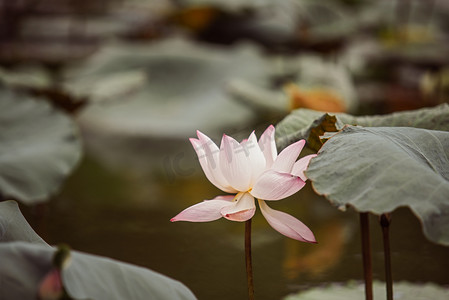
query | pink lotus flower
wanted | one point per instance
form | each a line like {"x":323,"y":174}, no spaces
{"x":250,"y":169}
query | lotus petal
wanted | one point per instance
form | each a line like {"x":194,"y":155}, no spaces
{"x":242,"y":210}
{"x":273,"y":185}
{"x":301,"y":165}
{"x":268,"y":145}
{"x":208,"y":158}
{"x":206,"y":211}
{"x":235,"y":164}
{"x":286,"y":159}
{"x":286,"y":224}
{"x":256,"y":157}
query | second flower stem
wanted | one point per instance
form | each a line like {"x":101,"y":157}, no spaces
{"x":385,"y":220}
{"x":248,"y":259}
{"x":366,"y":254}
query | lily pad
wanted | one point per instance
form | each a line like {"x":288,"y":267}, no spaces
{"x":379,"y":169}
{"x":310,"y":82}
{"x":24,"y":265}
{"x":25,"y":77}
{"x":355,"y":291}
{"x":39,"y":147}
{"x":27,"y":258}
{"x":310,"y":124}
{"x":14,"y":227}
{"x":183,"y":88}
{"x":277,"y":25}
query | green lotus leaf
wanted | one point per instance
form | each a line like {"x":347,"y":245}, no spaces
{"x":24,"y":265}
{"x":379,"y":169}
{"x":310,"y":125}
{"x":39,"y":147}
{"x":27,"y":258}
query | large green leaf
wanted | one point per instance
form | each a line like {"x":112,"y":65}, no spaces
{"x":14,"y":227}
{"x":355,"y":291}
{"x":39,"y":147}
{"x":309,"y":124}
{"x":24,"y":265}
{"x":379,"y":169}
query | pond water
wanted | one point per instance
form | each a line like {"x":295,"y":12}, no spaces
{"x":125,"y":215}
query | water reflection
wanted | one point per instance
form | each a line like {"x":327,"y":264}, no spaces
{"x":315,"y":261}
{"x":125,"y":215}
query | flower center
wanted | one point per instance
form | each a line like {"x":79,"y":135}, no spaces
{"x":237,"y":197}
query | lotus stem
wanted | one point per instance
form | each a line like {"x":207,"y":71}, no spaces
{"x":366,"y":252}
{"x":385,"y":221}
{"x":249,"y":265}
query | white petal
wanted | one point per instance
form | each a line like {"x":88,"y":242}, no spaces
{"x":208,"y":155}
{"x":273,"y":185}
{"x":241,"y":210}
{"x":268,"y":145}
{"x":256,"y":157}
{"x":287,"y":224}
{"x":301,"y":165}
{"x":234,"y":164}
{"x":208,"y":210}
{"x":285,"y":160}
{"x":202,"y":157}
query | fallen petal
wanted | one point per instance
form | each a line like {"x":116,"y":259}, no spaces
{"x":268,"y":145}
{"x":241,"y":210}
{"x":206,"y":211}
{"x":301,"y":165}
{"x":273,"y":185}
{"x":287,"y":224}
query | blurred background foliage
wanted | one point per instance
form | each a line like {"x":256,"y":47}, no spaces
{"x":138,"y":77}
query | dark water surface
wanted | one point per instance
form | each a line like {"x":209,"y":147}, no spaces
{"x":125,"y":216}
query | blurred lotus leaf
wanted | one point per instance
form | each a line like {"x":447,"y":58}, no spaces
{"x":39,"y":147}
{"x":310,"y":124}
{"x":280,"y":25}
{"x":355,"y":291}
{"x":410,"y":32}
{"x":231,"y":5}
{"x":182,"y":89}
{"x":325,"y":22}
{"x":25,"y":77}
{"x":171,"y":88}
{"x":111,"y":86}
{"x":435,"y":85}
{"x":86,"y":277}
{"x":378,"y":169}
{"x":305,"y":82}
{"x":27,"y":259}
